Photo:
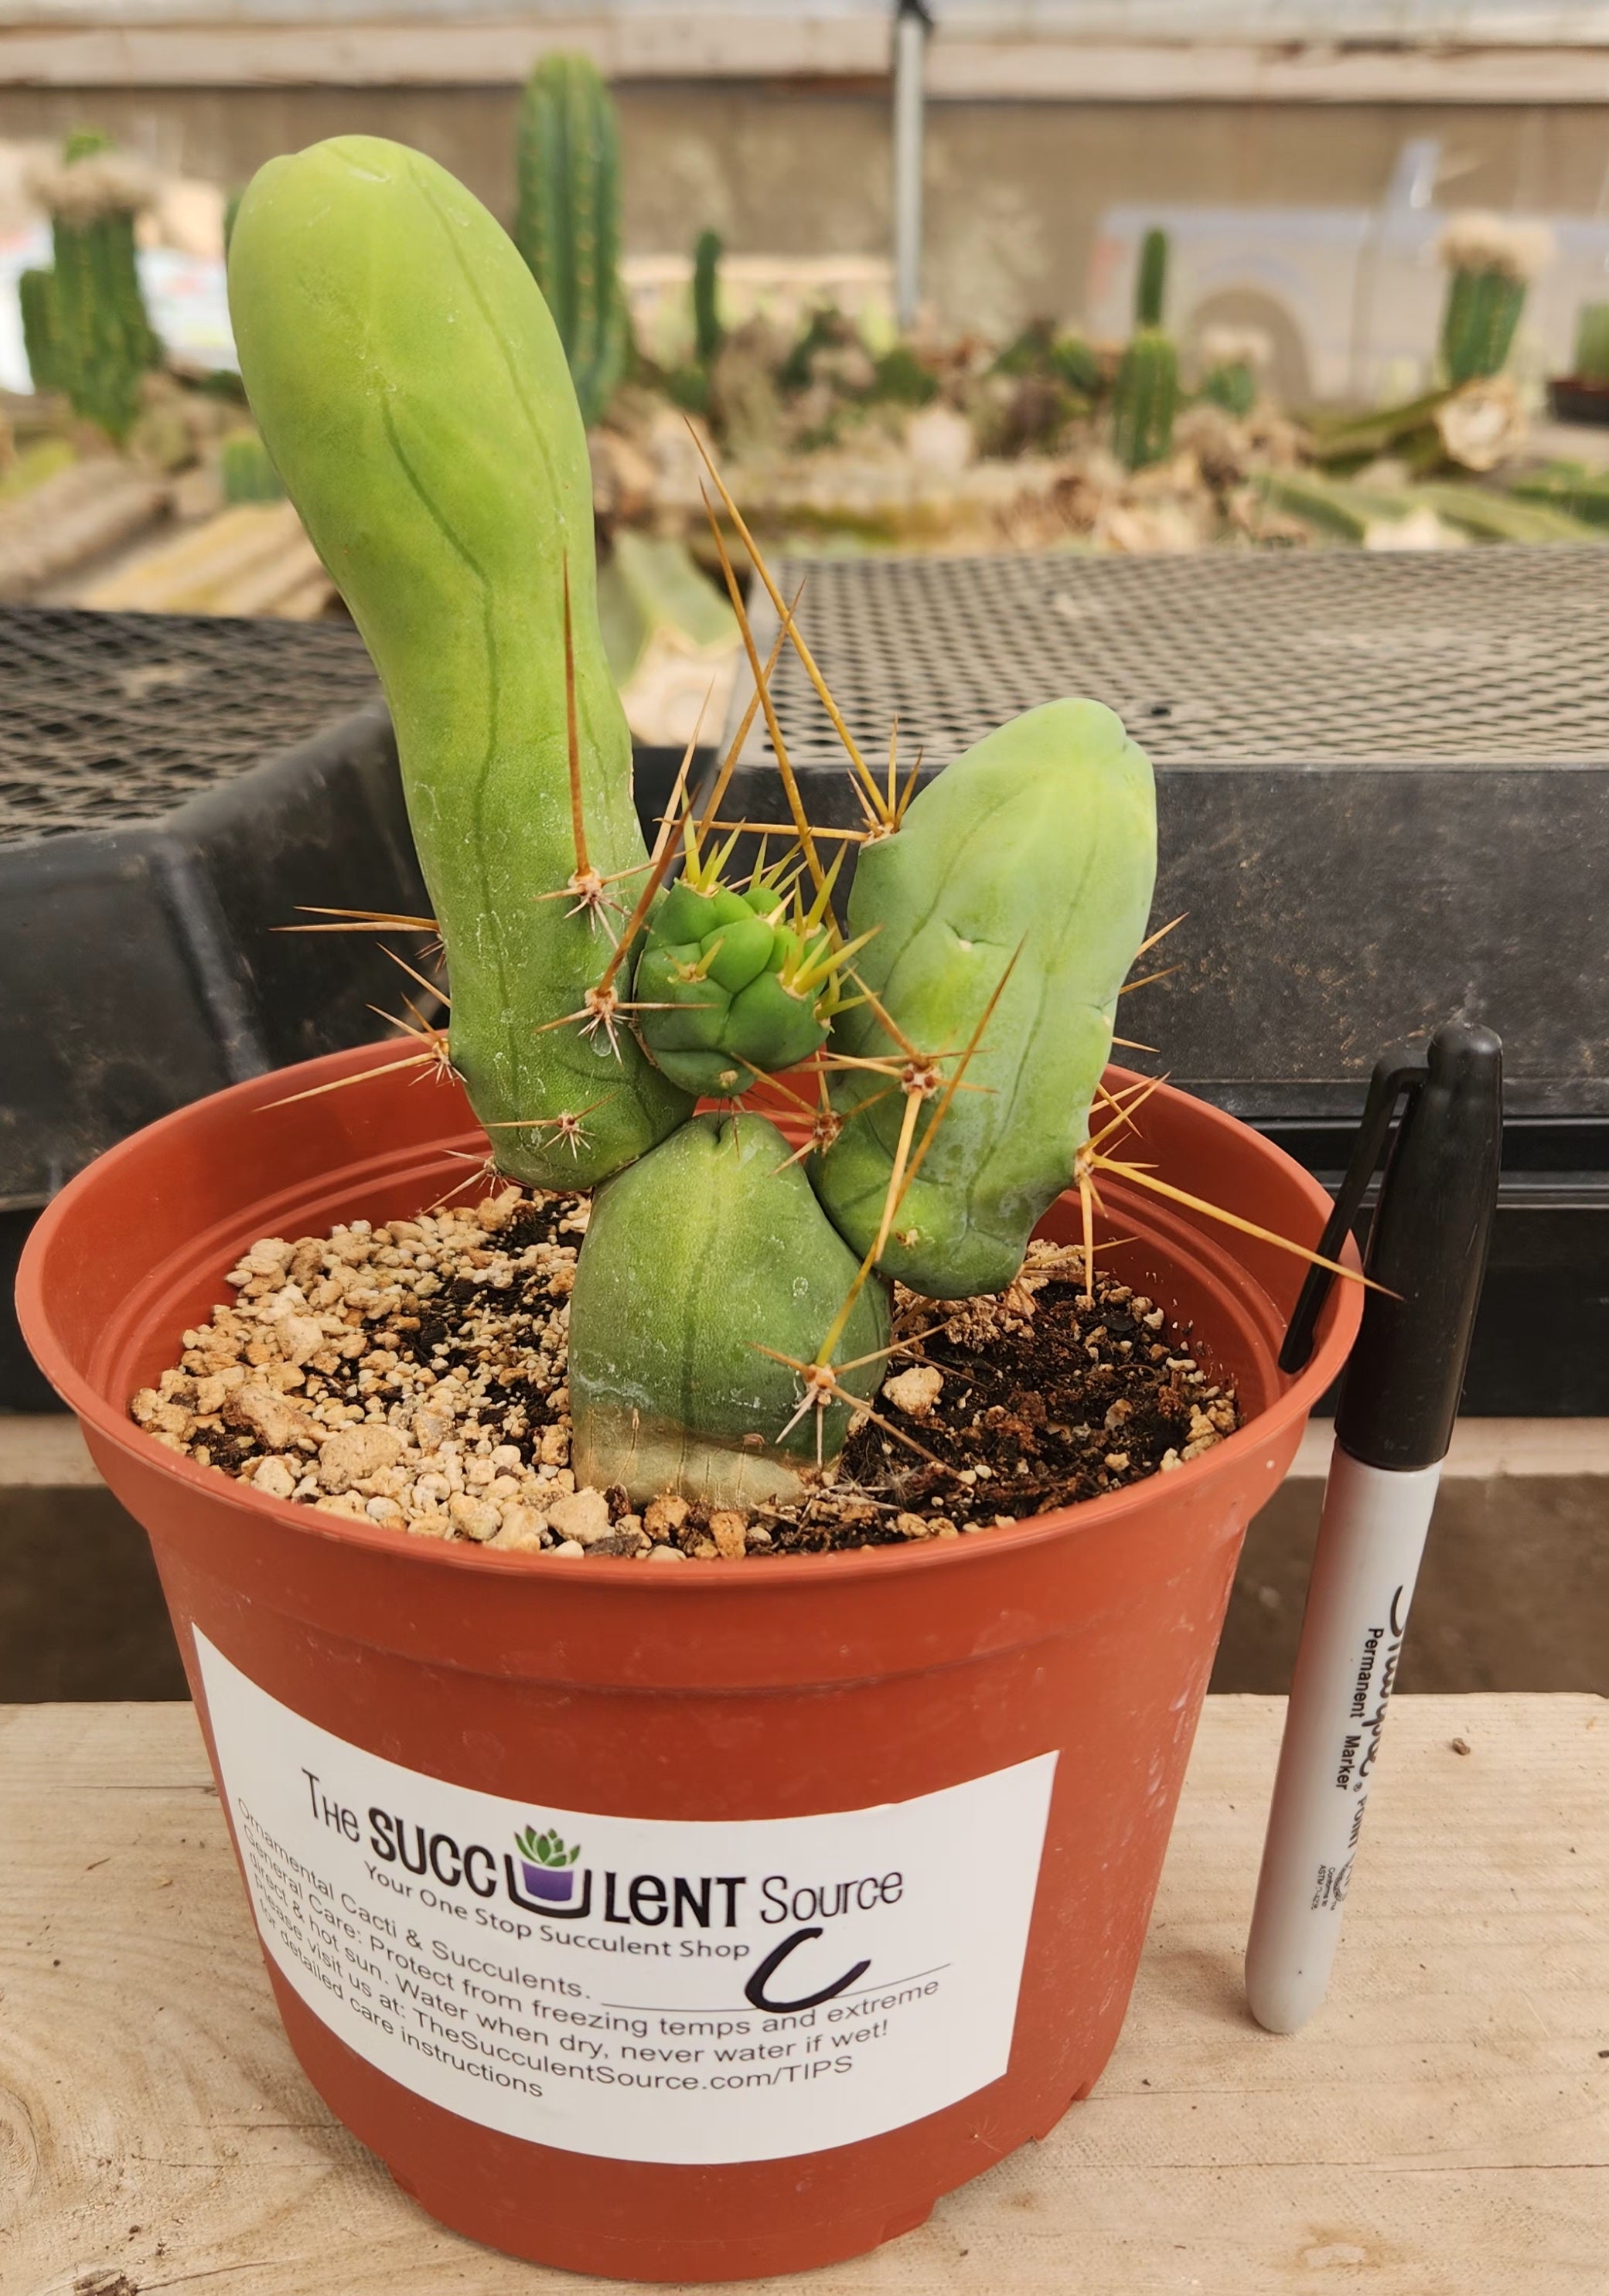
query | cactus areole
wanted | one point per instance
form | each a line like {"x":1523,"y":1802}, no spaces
{"x":731,"y":1302}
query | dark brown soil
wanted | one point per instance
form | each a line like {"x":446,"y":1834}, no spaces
{"x":413,"y":1375}
{"x":1066,"y":1402}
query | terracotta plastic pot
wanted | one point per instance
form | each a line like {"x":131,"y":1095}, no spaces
{"x":925,"y":1792}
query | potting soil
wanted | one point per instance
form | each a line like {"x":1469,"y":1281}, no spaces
{"x":413,"y":1375}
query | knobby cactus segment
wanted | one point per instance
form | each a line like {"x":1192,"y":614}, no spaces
{"x":704,"y":1266}
{"x":413,"y":394}
{"x":736,"y":984}
{"x":1028,"y":862}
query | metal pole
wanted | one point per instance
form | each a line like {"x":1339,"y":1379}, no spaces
{"x":912,"y":24}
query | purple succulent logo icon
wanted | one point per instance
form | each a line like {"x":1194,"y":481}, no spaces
{"x":546,"y":1862}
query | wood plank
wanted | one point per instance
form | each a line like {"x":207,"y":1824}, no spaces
{"x":694,"y":43}
{"x":1442,"y":2126}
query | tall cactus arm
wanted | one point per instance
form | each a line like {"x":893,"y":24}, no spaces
{"x":413,"y":393}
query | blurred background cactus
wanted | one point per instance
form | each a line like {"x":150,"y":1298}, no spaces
{"x":245,"y":473}
{"x":1592,"y":343}
{"x":1232,"y":359}
{"x":85,"y":327}
{"x":1151,"y":280}
{"x":567,"y":223}
{"x":707,"y":332}
{"x":1145,"y":395}
{"x":1490,"y":265}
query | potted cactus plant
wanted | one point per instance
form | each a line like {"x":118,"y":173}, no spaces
{"x":764,"y":2018}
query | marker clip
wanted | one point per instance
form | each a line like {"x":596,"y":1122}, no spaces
{"x":1395,"y":1073}
{"x":1427,"y":1246}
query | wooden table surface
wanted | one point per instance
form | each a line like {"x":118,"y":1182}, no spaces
{"x":1442,"y":2128}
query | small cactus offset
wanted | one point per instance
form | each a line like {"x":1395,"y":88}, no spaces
{"x":731,"y":1300}
{"x":1231,"y":359}
{"x":1490,"y":265}
{"x":1145,"y":397}
{"x":84,"y":322}
{"x":707,"y":332}
{"x":1592,"y":343}
{"x":733,"y":985}
{"x":567,"y":224}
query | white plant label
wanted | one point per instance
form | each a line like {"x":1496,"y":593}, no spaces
{"x":637,"y":1989}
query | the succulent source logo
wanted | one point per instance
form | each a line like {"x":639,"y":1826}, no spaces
{"x":547,"y":1864}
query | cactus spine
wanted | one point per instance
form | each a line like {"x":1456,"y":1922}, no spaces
{"x":1145,"y":397}
{"x":567,"y":224}
{"x":707,"y":332}
{"x":85,"y":325}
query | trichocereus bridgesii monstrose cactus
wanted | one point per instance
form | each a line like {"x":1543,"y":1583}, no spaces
{"x":731,"y":1305}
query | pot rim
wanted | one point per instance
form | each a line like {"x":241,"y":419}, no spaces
{"x":1338,"y":1327}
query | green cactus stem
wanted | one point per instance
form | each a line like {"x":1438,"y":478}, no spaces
{"x":1592,"y":343}
{"x":707,"y":332}
{"x":567,"y":224}
{"x":709,"y":1277}
{"x":37,"y":297}
{"x":902,"y":380}
{"x":413,"y":393}
{"x":1489,"y":262}
{"x":89,"y":327}
{"x":1151,"y":279}
{"x":1010,"y":905}
{"x":1478,"y":324}
{"x":1232,"y":386}
{"x":1145,"y":399}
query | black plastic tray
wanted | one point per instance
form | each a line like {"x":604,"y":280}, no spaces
{"x":1382,"y":791}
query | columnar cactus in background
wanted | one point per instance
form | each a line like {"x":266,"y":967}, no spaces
{"x":567,"y":224}
{"x":732,"y":1299}
{"x":85,"y":328}
{"x":1151,"y":279}
{"x":1146,"y":394}
{"x":1490,"y":265}
{"x":1592,"y":343}
{"x":707,"y":332}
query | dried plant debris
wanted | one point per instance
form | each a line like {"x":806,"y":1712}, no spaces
{"x":412,"y":1375}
